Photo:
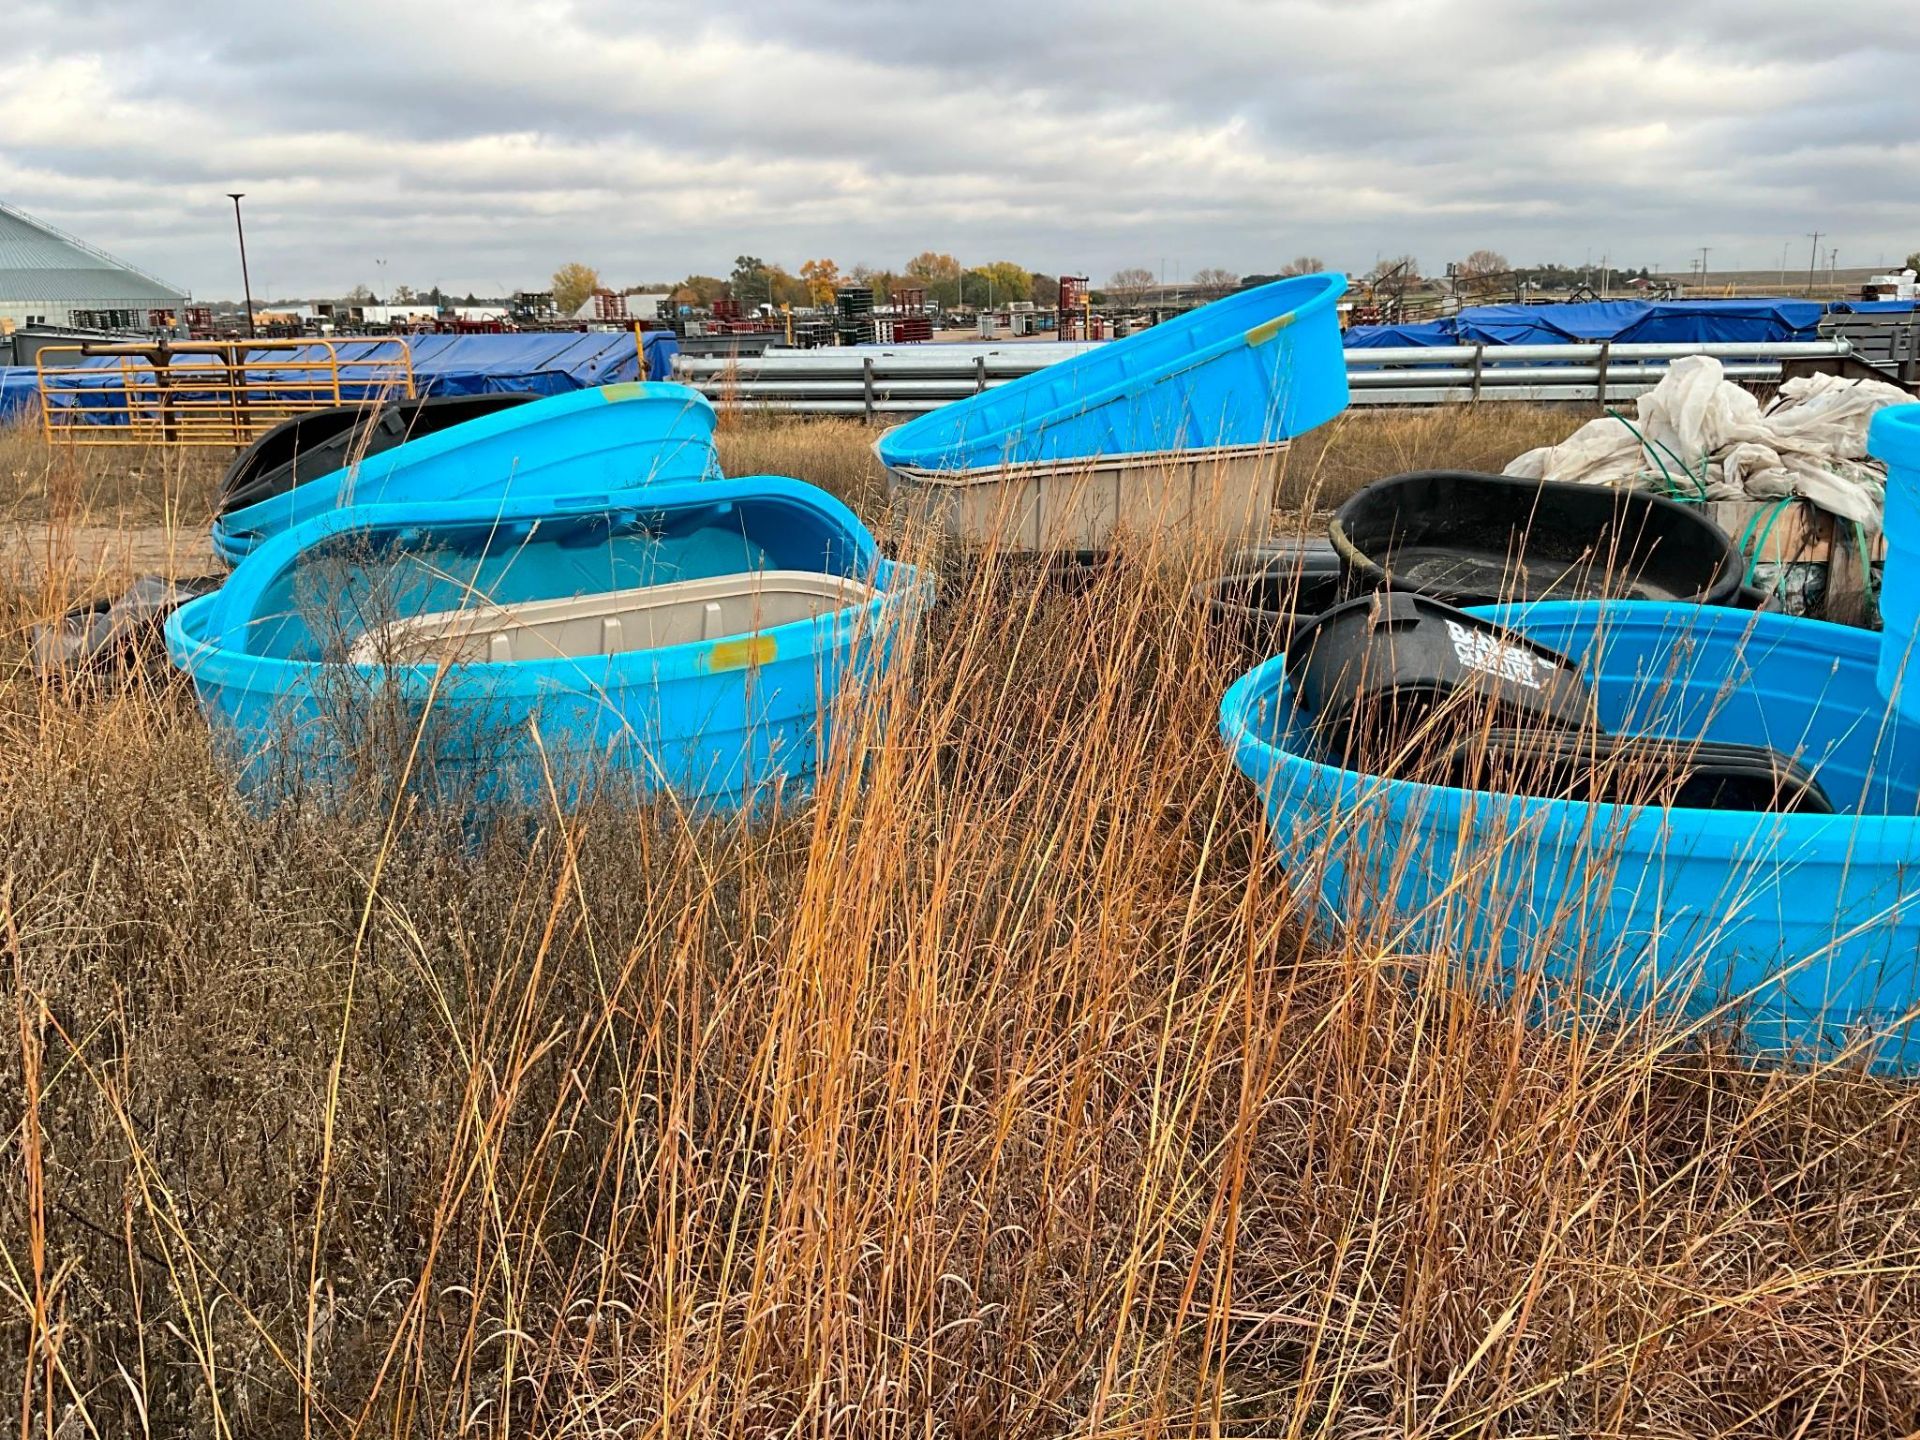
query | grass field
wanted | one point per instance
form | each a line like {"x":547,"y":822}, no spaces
{"x":998,"y":1095}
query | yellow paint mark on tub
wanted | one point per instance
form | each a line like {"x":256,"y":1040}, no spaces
{"x":624,"y":390}
{"x":1261,"y":333}
{"x":738,"y":654}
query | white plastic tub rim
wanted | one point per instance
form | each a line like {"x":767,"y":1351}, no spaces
{"x":647,"y":617}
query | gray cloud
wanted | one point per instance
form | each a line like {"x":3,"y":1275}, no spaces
{"x":478,"y":143}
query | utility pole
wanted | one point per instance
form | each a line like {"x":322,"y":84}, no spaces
{"x":246,"y":285}
{"x":1813,"y":259}
{"x":1783,"y":263}
{"x":1703,"y":267}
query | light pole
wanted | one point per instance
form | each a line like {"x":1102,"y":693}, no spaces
{"x":246,"y":285}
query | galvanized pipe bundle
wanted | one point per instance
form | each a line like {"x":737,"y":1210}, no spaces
{"x":875,"y":381}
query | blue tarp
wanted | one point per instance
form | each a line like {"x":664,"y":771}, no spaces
{"x":1873,"y":307}
{"x":1383,"y":337}
{"x":543,"y":364}
{"x":1628,"y":321}
{"x":18,"y":386}
{"x":482,"y":364}
{"x":1547,"y":324}
{"x":662,"y":346}
{"x":1685,"y":321}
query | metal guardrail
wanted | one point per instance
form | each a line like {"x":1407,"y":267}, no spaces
{"x":1891,"y":342}
{"x":910,"y":380}
{"x":207,"y":392}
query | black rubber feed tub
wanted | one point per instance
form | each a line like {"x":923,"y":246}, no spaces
{"x":1267,"y":597}
{"x":309,"y":446}
{"x":1393,"y":674}
{"x":1593,"y":769}
{"x":1474,"y":539}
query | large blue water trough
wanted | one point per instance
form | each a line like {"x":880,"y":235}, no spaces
{"x":613,"y":438}
{"x":1894,"y":437}
{"x":1252,"y":369}
{"x":1805,"y":927}
{"x":1174,"y":432}
{"x":690,"y":639}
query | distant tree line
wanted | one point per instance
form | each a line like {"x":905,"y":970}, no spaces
{"x":949,"y":283}
{"x":945,"y":280}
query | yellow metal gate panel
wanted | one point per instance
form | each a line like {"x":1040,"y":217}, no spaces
{"x":210,"y":392}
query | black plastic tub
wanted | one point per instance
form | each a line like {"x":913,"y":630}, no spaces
{"x":1392,"y":675}
{"x":1635,"y":770}
{"x":1473,"y":539}
{"x":309,"y":446}
{"x":1269,"y":594}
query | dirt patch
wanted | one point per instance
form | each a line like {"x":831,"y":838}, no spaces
{"x":85,"y":556}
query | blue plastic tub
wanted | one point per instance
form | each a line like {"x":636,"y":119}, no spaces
{"x":616,"y":437}
{"x":1252,"y":369}
{"x":1807,"y":927}
{"x":714,"y":722}
{"x":1895,"y":438}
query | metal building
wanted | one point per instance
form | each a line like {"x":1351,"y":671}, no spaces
{"x":48,"y":277}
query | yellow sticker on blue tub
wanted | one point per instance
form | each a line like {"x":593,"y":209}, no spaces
{"x":738,"y":654}
{"x":623,"y":390}
{"x":1261,"y":333}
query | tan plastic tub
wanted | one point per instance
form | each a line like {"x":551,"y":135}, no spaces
{"x":1219,"y":496}
{"x":649,"y":617}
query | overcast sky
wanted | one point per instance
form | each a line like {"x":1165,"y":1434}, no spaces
{"x":477,"y":144}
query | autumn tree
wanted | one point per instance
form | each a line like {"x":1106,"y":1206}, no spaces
{"x":751,"y":280}
{"x":358,"y":295}
{"x":1131,"y":284}
{"x":997,"y":282}
{"x":700,"y":290}
{"x":402,"y":295}
{"x":785,"y":288}
{"x":822,"y":278}
{"x":1913,"y":261}
{"x":1482,"y":273}
{"x":1043,"y":289}
{"x":939,"y":273}
{"x":573,"y":285}
{"x":1212,"y":280}
{"x":1303,"y":265}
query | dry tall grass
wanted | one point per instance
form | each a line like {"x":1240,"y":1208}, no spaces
{"x":996,"y":1095}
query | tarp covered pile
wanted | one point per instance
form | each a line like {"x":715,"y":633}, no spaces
{"x":546,"y":363}
{"x":19,"y":388}
{"x":1625,"y":322}
{"x":1699,"y":436}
